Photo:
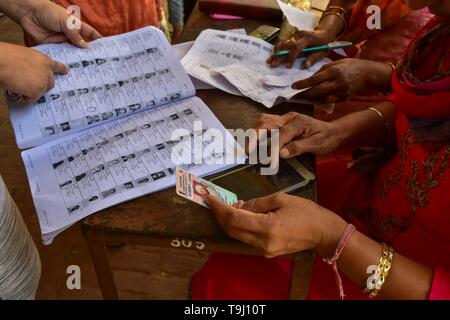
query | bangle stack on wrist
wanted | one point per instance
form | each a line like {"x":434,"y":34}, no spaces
{"x":340,"y":12}
{"x":375,"y":283}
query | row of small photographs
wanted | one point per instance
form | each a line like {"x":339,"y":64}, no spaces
{"x":104,"y":116}
{"x":124,"y":158}
{"x":92,"y":90}
{"x":102,"y":61}
{"x":124,"y":187}
{"x":123,"y":134}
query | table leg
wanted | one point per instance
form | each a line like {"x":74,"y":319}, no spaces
{"x":301,"y":275}
{"x":102,"y":268}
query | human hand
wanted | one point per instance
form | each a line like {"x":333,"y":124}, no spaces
{"x":27,"y":72}
{"x":280,"y":224}
{"x":299,"y":41}
{"x":344,"y":78}
{"x":301,"y":134}
{"x":46,"y":22}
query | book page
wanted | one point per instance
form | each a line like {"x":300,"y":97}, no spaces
{"x":75,"y":176}
{"x":214,"y":48}
{"x":114,"y":77}
{"x":266,"y":85}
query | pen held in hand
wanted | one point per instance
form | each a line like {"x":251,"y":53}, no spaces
{"x":325,"y":47}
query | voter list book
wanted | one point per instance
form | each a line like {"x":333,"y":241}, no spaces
{"x":104,"y":134}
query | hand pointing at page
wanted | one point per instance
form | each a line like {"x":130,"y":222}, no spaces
{"x":27,"y":72}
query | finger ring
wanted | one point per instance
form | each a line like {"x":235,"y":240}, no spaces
{"x":12,"y":96}
{"x":292,"y":40}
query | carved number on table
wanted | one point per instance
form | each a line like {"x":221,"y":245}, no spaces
{"x":186,"y":243}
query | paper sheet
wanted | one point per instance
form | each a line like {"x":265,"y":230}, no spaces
{"x":181,"y":49}
{"x":114,"y":77}
{"x":214,"y":48}
{"x":77,"y":175}
{"x":302,"y":20}
{"x":267,"y":85}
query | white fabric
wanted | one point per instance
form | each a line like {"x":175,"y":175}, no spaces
{"x":20,"y":265}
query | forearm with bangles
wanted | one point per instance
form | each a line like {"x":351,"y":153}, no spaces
{"x":367,"y":127}
{"x":406,"y":279}
{"x":333,"y":24}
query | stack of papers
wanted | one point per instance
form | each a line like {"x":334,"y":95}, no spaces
{"x":236,"y":64}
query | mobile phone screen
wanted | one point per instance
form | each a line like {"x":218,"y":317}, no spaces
{"x":248,"y":183}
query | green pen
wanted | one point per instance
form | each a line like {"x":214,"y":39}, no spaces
{"x":325,"y":47}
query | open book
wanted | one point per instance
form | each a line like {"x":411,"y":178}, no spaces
{"x":236,"y":63}
{"x":105,"y":133}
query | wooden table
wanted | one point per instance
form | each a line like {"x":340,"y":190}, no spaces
{"x":164,"y":219}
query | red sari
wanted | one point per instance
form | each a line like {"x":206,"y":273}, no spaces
{"x":407,"y":205}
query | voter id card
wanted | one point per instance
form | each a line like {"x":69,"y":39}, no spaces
{"x":195,"y":188}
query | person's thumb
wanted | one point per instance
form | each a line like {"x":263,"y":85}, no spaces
{"x":296,"y":148}
{"x":73,"y":33}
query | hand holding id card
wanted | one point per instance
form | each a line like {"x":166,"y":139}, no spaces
{"x":195,"y":189}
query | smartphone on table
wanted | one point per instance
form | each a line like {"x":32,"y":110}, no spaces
{"x":248,"y":183}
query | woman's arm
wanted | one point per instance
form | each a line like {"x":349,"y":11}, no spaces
{"x":281,"y":224}
{"x":301,"y":134}
{"x":329,"y":28}
{"x":367,"y":127}
{"x":407,"y":279}
{"x":332,"y":23}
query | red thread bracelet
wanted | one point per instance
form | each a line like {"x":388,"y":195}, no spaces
{"x":345,"y":237}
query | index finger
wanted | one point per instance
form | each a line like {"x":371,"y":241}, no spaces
{"x":275,"y":61}
{"x":57,"y":67}
{"x":319,"y":77}
{"x":301,"y":44}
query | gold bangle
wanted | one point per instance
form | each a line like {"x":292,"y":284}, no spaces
{"x":336,"y":8}
{"x":392,"y":65}
{"x":344,"y":30}
{"x":384,"y":266}
{"x":378,"y":112}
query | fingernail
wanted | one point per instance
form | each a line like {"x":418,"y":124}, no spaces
{"x":83,"y":43}
{"x":284,"y":153}
{"x":307,"y":64}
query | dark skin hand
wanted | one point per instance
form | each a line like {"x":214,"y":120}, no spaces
{"x":300,"y":133}
{"x":344,"y":78}
{"x":303,"y":39}
{"x":327,"y":31}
